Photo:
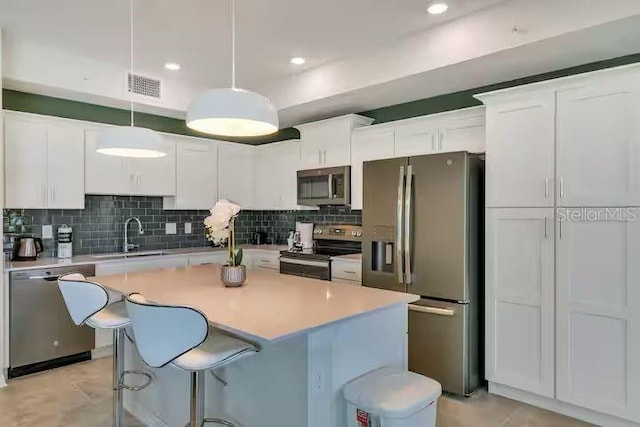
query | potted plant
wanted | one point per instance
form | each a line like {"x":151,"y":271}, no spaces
{"x":220,"y":230}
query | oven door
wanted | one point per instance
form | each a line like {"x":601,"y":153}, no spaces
{"x":320,"y":187}
{"x":314,"y":269}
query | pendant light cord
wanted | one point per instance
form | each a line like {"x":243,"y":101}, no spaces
{"x":233,"y":44}
{"x":131,"y":59}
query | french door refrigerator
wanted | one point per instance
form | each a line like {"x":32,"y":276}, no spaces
{"x":422,"y":233}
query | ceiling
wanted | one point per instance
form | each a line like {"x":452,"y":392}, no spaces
{"x":196,"y":33}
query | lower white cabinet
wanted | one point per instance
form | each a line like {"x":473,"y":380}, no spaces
{"x":520,"y":298}
{"x":598,"y":311}
{"x":346,"y":271}
{"x":218,"y":257}
{"x":263,"y":259}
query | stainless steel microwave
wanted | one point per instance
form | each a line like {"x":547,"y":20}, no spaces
{"x":326,"y":186}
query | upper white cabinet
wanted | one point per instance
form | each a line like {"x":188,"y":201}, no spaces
{"x":520,"y":151}
{"x":328,"y":142}
{"x":520,"y":298}
{"x":598,"y":143}
{"x":196,"y":174}
{"x":44,"y":162}
{"x":275,"y":175}
{"x":367,"y":143}
{"x":598,"y":310}
{"x":462,"y":130}
{"x":236,"y":173}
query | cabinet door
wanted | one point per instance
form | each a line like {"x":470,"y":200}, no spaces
{"x":520,"y":299}
{"x":196,"y":174}
{"x":155,"y":177}
{"x":598,"y":139}
{"x":312,"y":147}
{"x":598,"y":310}
{"x":235,"y":173}
{"x":366,"y":145}
{"x":463,"y":133}
{"x":326,"y":144}
{"x":289,"y":158}
{"x":520,"y":146}
{"x":65,"y":166}
{"x":25,"y":163}
{"x":104,"y":174}
{"x":267,"y":178}
{"x":416,"y":138}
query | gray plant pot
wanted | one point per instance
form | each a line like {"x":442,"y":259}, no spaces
{"x":233,"y":277}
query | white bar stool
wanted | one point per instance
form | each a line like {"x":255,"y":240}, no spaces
{"x":91,"y":304}
{"x":182,"y":337}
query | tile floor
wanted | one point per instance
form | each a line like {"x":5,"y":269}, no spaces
{"x":80,"y":396}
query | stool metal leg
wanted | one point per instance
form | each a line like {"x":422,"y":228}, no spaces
{"x":196,"y":417}
{"x":118,"y":370}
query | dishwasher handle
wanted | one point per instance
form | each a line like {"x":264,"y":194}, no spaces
{"x":432,"y":310}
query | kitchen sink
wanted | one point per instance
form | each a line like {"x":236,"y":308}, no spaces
{"x":130,"y":255}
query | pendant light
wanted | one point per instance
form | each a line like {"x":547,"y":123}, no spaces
{"x":130,"y":141}
{"x":232,"y":111}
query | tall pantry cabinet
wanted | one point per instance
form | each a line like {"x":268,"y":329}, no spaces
{"x":563,"y":244}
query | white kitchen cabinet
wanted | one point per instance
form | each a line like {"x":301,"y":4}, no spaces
{"x":196,"y":175}
{"x":154,"y":177}
{"x":598,"y":310}
{"x":236,"y":173}
{"x":520,"y":298}
{"x":520,"y":151}
{"x":368,"y":143}
{"x":275,"y":175}
{"x":217,"y":257}
{"x":259,"y":258}
{"x":44,"y":163}
{"x":416,"y":137}
{"x":327,"y":143}
{"x":346,"y":271}
{"x":598,"y":143}
{"x":462,"y":131}
{"x":105,"y":174}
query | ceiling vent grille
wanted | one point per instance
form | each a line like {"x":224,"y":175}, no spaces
{"x":143,"y":85}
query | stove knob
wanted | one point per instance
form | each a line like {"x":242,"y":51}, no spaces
{"x":359,"y":234}
{"x":319,"y":231}
{"x":353,"y":233}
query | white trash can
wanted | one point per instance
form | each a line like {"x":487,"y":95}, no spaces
{"x":392,"y":397}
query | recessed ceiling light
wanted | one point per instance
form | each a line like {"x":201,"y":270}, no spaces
{"x":437,"y":8}
{"x":298,"y":60}
{"x":173,"y":66}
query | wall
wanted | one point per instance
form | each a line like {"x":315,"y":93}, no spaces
{"x":99,"y":228}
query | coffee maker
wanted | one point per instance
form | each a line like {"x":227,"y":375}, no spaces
{"x":304,"y":235}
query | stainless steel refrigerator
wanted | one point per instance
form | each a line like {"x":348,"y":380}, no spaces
{"x":422,"y":233}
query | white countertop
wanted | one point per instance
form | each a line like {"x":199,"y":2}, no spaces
{"x":269,"y":307}
{"x":50,"y":262}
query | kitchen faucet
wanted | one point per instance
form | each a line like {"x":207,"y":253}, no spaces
{"x":126,"y":247}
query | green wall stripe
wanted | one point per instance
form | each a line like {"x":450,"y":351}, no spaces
{"x":464,"y":99}
{"x":47,"y":105}
{"x":58,"y":107}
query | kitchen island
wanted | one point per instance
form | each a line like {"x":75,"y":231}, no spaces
{"x":316,"y":336}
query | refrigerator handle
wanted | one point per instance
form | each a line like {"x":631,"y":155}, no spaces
{"x":399,"y":227}
{"x":407,"y":225}
{"x":432,"y":310}
{"x":330,"y":186}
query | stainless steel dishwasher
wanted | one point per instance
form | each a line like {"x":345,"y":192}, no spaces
{"x":41,"y":333}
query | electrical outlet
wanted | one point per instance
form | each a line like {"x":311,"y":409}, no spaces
{"x":47,"y":231}
{"x":170,"y":228}
{"x":187,"y":228}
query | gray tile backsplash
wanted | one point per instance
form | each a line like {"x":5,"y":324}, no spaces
{"x":99,"y":227}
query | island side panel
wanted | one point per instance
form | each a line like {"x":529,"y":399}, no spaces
{"x":347,"y":350}
{"x":268,"y":389}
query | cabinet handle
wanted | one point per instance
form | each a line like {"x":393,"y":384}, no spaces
{"x":546,"y":188}
{"x":349,"y":272}
{"x":319,"y":157}
{"x":562,"y":188}
{"x":440,"y":139}
{"x":44,"y":194}
{"x":545,"y":226}
{"x":560,"y":228}
{"x":325,"y":156}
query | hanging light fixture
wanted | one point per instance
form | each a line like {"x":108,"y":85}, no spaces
{"x":130,"y":141}
{"x":232,"y":111}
